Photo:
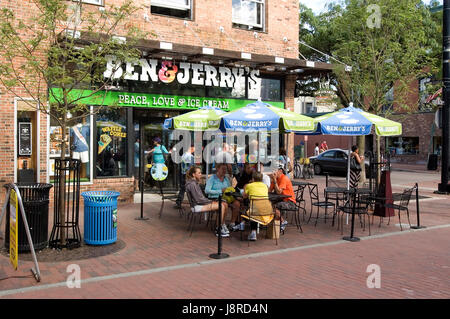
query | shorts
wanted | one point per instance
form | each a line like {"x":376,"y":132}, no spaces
{"x":83,"y":156}
{"x":199,"y":208}
{"x":286,"y":205}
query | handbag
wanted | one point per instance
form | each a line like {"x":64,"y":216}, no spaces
{"x":354,"y":165}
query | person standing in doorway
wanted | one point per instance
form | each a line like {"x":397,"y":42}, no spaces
{"x":159,"y":168}
{"x":187,"y":161}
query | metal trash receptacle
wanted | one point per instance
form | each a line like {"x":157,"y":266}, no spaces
{"x":100,"y":217}
{"x":35,"y":199}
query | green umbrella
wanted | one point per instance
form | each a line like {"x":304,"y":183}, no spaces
{"x":203,"y":119}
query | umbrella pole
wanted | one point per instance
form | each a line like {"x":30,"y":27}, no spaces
{"x":348,"y":167}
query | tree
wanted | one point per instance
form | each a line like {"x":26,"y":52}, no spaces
{"x":64,"y":45}
{"x":387,"y":44}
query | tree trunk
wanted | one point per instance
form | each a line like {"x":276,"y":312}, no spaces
{"x":62,"y":187}
{"x":361,"y":142}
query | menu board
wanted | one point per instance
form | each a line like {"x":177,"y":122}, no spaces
{"x":25,"y":146}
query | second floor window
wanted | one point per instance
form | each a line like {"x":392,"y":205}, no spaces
{"x":174,"y":8}
{"x":98,"y":2}
{"x":248,"y":14}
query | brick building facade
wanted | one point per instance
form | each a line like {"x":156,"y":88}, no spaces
{"x":261,"y":35}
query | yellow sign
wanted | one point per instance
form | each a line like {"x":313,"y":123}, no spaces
{"x":13,"y":229}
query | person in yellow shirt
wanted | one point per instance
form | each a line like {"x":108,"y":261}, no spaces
{"x":261,"y":210}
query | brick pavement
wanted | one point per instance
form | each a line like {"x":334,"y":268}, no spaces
{"x":158,"y":244}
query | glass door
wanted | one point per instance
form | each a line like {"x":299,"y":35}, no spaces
{"x":148,"y":127}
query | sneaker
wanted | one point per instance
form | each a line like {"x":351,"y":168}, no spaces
{"x":223,"y":233}
{"x":237,"y":227}
{"x":283,"y":225}
{"x":242,"y":226}
{"x":252,"y":236}
{"x":225,"y":229}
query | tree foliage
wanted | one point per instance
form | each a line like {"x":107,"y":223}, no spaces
{"x":387,"y":43}
{"x":63,"y":45}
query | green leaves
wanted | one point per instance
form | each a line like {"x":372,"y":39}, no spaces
{"x":386,"y":43}
{"x":41,"y":52}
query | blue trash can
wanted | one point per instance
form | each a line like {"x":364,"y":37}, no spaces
{"x":100,"y":217}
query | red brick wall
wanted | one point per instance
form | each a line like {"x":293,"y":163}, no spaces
{"x":122,"y":185}
{"x":416,"y":125}
{"x":281,"y":22}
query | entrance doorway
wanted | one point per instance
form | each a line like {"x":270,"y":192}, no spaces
{"x":148,"y":124}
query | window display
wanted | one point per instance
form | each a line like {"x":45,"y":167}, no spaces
{"x":402,"y":145}
{"x":111,"y":143}
{"x":77,"y":147}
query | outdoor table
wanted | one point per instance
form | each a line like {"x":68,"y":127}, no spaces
{"x":354,"y":192}
{"x":273,"y":197}
{"x":276,"y":198}
{"x":337,"y":191}
{"x":300,"y":183}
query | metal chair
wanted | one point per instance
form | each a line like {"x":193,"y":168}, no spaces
{"x":357,"y":204}
{"x":300,"y":204}
{"x":192,"y":214}
{"x":315,"y":201}
{"x":403,"y":205}
{"x":261,"y":212}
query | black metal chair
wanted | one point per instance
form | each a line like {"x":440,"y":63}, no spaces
{"x":357,"y":204}
{"x":193,"y":214}
{"x":260,"y":207}
{"x":403,"y":205}
{"x":300,"y":204}
{"x":316,"y":202}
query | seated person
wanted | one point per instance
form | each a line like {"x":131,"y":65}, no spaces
{"x":265,"y":178}
{"x":281,"y":184}
{"x":203,"y":204}
{"x":260,"y":209}
{"x":245,"y":176}
{"x":216,"y":185}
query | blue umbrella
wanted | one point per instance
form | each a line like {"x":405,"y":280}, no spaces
{"x":351,"y":121}
{"x":354,"y":121}
{"x":262,"y":116}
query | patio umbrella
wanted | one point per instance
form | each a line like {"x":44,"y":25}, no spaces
{"x":205,"y":118}
{"x":260,"y":116}
{"x":353,"y":121}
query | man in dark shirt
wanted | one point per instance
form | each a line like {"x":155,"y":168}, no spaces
{"x":246,"y":176}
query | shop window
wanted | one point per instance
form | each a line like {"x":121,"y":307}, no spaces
{"x":173,"y":8}
{"x":402,"y":145}
{"x":111,"y":143}
{"x":78,"y":135}
{"x":248,"y":14}
{"x":265,"y":88}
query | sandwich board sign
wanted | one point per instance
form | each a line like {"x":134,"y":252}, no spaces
{"x":13,"y":228}
{"x":16,"y":207}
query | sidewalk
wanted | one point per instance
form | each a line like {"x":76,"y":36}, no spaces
{"x":157,"y":258}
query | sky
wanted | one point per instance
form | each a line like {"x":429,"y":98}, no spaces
{"x":318,"y":5}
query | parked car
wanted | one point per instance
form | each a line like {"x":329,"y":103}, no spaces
{"x":334,"y":162}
